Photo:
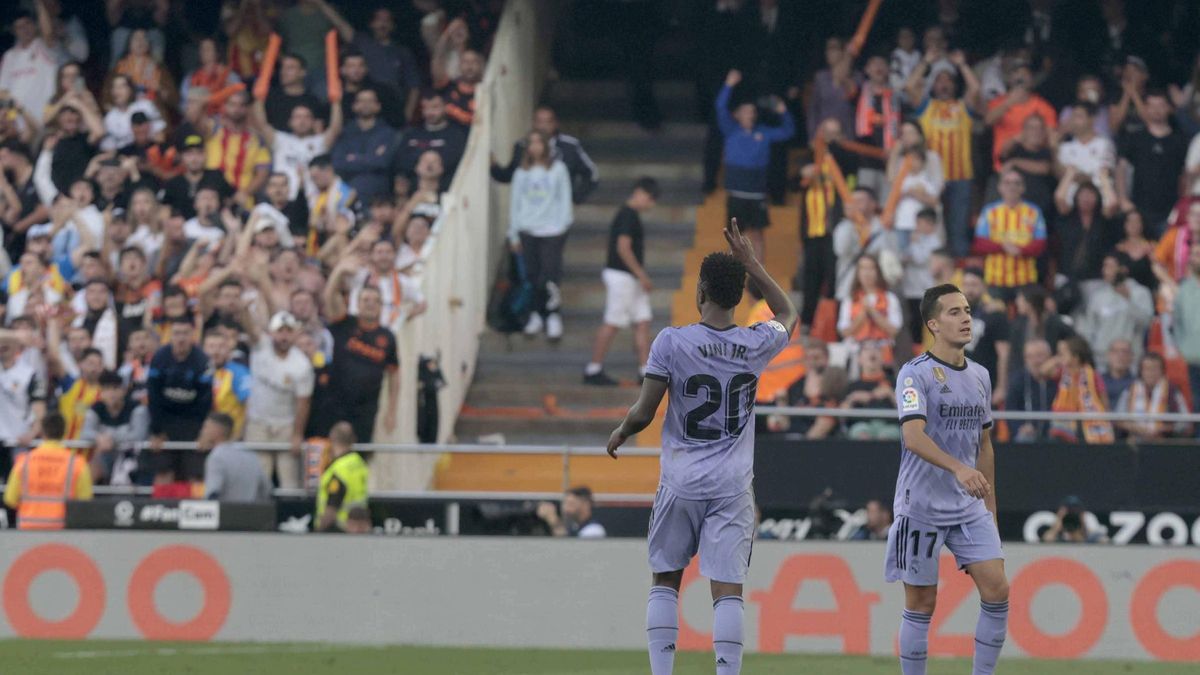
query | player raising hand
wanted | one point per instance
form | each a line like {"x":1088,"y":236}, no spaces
{"x":704,"y":501}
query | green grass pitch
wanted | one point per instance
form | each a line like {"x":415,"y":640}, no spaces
{"x":36,"y":657}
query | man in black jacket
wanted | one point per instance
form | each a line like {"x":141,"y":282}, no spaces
{"x":180,"y":393}
{"x":584,"y":176}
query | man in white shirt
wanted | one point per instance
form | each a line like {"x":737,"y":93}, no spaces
{"x":292,"y":150}
{"x":206,"y":225}
{"x":281,"y":389}
{"x":401,"y":294}
{"x":28,"y":70}
{"x":1087,"y":151}
{"x":24,"y":401}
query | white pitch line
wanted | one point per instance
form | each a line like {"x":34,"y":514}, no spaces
{"x":206,"y":651}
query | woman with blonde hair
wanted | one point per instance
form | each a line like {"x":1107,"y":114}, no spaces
{"x":540,"y":215}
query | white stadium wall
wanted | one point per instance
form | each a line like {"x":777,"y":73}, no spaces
{"x":1067,"y":601}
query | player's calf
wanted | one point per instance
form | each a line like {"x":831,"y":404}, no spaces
{"x":662,"y":628}
{"x":992,"y":626}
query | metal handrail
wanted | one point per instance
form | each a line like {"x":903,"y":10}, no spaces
{"x":1024,"y":416}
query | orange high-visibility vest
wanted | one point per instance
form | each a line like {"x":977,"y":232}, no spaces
{"x":48,"y":477}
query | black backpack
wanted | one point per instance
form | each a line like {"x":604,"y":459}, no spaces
{"x":512,"y":297}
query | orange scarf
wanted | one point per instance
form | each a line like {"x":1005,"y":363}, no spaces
{"x":1080,"y":393}
{"x":1146,"y":402}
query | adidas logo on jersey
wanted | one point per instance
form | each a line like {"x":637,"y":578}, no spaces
{"x":945,"y":389}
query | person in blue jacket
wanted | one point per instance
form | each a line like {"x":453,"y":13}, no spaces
{"x":747,"y":154}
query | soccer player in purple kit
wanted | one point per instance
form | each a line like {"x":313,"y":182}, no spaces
{"x":944,"y":492}
{"x":704,"y":501}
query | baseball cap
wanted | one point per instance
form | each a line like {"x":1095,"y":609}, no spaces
{"x":191,"y":141}
{"x":282,"y":320}
{"x":40,"y":230}
{"x":138,"y":117}
{"x":263,"y":225}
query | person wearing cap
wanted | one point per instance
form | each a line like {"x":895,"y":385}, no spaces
{"x":21,"y":207}
{"x":1074,"y":524}
{"x":948,"y":122}
{"x":1006,"y":114}
{"x":113,"y":180}
{"x":280,"y":393}
{"x":180,"y":191}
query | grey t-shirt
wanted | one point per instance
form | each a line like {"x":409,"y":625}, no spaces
{"x":233,"y":474}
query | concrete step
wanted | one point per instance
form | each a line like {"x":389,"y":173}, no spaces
{"x":578,"y":335}
{"x":579,"y":432}
{"x":620,"y":167}
{"x":655,"y":148}
{"x":678,"y":233}
{"x":673,"y":110}
{"x":673,"y":191}
{"x":588,"y":247}
{"x":569,"y":395}
{"x":591,"y":131}
{"x":603,"y":212}
{"x":587,"y":299}
{"x":607,"y":90}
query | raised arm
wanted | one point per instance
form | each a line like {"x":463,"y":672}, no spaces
{"x":343,"y":27}
{"x":258,"y":121}
{"x":336,"y":121}
{"x":777,"y":299}
{"x":335,"y":304}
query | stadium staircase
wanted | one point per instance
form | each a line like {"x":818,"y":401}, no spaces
{"x":527,"y":391}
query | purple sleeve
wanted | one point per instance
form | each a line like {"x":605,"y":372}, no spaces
{"x":911,"y":396}
{"x":658,"y":366}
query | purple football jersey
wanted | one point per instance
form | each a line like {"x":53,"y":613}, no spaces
{"x":956,"y":404}
{"x":708,"y":435}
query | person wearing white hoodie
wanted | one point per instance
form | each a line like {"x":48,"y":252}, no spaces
{"x":540,"y":215}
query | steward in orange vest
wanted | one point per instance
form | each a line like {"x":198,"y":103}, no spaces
{"x":43,"y":479}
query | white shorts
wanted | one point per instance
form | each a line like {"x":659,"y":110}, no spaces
{"x":626,"y":302}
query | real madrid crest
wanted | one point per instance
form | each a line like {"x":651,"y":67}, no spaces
{"x":939,"y":374}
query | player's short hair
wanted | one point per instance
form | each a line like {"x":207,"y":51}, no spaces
{"x":931,"y":302}
{"x":222,"y":420}
{"x":722,"y":279}
{"x":54,"y":426}
{"x":582,"y":492}
{"x":91,"y":351}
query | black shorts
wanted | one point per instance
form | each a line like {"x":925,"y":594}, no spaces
{"x":751,"y":214}
{"x":187,"y":465}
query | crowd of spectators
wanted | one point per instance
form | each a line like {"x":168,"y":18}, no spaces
{"x":183,"y":239}
{"x":1048,"y":164}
